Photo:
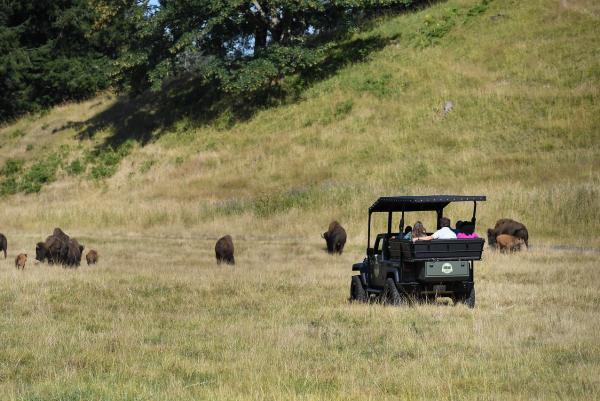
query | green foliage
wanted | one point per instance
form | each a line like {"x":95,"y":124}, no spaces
{"x":12,"y":167}
{"x":57,"y":51}
{"x":40,"y":173}
{"x":17,"y":134}
{"x":105,"y":162}
{"x":435,"y":27}
{"x":9,"y":186}
{"x":76,"y":167}
{"x":343,"y":108}
{"x":478,"y":8}
{"x":241,"y":47}
{"x":379,"y":86}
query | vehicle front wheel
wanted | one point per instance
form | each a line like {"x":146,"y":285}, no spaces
{"x":357,"y":291}
{"x":470,"y":300}
{"x":391,"y":295}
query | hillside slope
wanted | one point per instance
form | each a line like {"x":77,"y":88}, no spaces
{"x":524,"y":129}
{"x":151,"y":183}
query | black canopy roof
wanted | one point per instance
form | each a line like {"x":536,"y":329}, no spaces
{"x":419,"y":203}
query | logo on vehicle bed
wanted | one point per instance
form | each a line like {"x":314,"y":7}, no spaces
{"x":447,"y":268}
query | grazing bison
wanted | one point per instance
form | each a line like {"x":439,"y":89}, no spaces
{"x":59,"y":248}
{"x":509,"y":243}
{"x":92,"y":257}
{"x":52,"y":250}
{"x":510,"y":227}
{"x":3,"y":244}
{"x":20,"y":261}
{"x":224,"y":250}
{"x":74,"y":252}
{"x":335,"y":238}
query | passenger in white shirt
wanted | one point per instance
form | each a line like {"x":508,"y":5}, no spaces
{"x":443,"y":233}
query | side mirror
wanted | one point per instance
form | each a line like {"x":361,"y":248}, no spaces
{"x":370,"y":252}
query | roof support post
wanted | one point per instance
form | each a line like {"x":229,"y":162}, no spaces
{"x":369,"y":233}
{"x":440,"y":214}
{"x":401,"y":228}
{"x":474,"y":219}
{"x":389,"y":222}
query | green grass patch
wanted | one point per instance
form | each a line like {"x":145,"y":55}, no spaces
{"x":12,"y":167}
{"x":39,"y":174}
{"x":105,"y":162}
{"x":76,"y":167}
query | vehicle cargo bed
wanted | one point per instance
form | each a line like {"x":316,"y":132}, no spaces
{"x":437,"y":249}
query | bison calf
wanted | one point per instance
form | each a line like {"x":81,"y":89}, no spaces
{"x":509,"y":243}
{"x":92,"y":257}
{"x":335,"y":237}
{"x":224,"y":250}
{"x":3,"y":244}
{"x":20,"y":261}
{"x":510,"y":227}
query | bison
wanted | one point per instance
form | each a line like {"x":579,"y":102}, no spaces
{"x":59,"y":248}
{"x":53,"y":250}
{"x":509,"y":243}
{"x":224,"y":250}
{"x":20,"y":261}
{"x":510,"y":227}
{"x":335,"y":238}
{"x":3,"y":244}
{"x":74,"y":252}
{"x":92,"y":257}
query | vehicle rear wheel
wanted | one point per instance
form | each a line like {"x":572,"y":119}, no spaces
{"x":470,"y":300}
{"x":391,"y":295}
{"x":357,"y":291}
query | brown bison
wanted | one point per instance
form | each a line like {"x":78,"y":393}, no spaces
{"x":59,"y":248}
{"x":509,"y":243}
{"x":224,"y":250}
{"x":54,"y":249}
{"x":20,"y":261}
{"x":335,"y":238}
{"x":3,"y":244}
{"x":74,"y":253}
{"x":92,"y":257}
{"x":510,"y":227}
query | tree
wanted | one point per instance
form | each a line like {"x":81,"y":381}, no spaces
{"x":57,"y":50}
{"x":245,"y":45}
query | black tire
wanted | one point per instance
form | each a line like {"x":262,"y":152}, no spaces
{"x":470,"y":300}
{"x":391,"y":295}
{"x":357,"y":291}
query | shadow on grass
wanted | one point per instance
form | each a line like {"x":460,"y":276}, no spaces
{"x":146,"y":117}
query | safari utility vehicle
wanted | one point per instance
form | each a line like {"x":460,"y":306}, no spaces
{"x":398,"y":271}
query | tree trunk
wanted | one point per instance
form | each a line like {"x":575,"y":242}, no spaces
{"x":260,"y":37}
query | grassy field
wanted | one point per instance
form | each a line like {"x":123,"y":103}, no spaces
{"x":168,"y":324}
{"x":152,"y":185}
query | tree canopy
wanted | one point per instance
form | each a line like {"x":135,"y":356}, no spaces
{"x":52,"y":51}
{"x":246,"y":45}
{"x":57,"y":50}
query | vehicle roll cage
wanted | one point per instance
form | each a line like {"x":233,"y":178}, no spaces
{"x":436,"y":203}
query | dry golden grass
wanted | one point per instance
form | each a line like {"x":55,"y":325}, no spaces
{"x":158,"y":319}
